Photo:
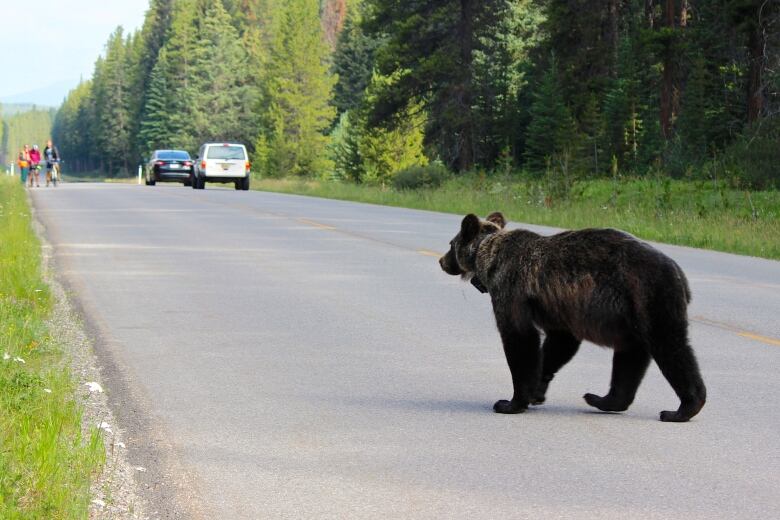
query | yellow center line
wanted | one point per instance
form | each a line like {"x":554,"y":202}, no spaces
{"x":735,"y":330}
{"x":763,"y":339}
{"x":428,"y":253}
{"x":315,"y":224}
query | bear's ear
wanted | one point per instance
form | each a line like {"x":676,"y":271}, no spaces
{"x":498,"y":219}
{"x":469,"y":228}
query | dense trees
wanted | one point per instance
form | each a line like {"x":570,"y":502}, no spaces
{"x":28,"y":127}
{"x":359,"y":89}
{"x":295,"y":111}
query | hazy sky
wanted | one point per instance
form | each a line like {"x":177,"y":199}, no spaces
{"x":45,"y":42}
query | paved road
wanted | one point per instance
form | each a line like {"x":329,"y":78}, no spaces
{"x":289,"y":357}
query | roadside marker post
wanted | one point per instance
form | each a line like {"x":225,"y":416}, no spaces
{"x":139,"y":174}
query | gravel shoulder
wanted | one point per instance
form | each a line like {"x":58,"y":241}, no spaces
{"x":143,"y":478}
{"x":115,"y":491}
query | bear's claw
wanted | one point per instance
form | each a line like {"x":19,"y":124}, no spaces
{"x":504,"y":406}
{"x":669,"y":416}
{"x":605,"y":404}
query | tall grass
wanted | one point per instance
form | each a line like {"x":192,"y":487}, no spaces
{"x":701,"y":214}
{"x":46,"y":459}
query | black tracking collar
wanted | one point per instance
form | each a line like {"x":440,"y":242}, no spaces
{"x":478,"y":285}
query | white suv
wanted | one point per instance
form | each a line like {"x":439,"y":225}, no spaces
{"x":221,"y":162}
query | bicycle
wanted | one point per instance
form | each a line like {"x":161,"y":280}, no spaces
{"x":55,"y":173}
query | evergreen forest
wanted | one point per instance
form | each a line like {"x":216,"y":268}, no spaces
{"x":363,"y":90}
{"x":20,"y":125}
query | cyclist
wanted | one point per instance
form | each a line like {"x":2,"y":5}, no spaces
{"x":52,"y":156}
{"x":35,"y":165}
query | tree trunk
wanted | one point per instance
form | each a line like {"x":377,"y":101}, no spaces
{"x":755,"y":88}
{"x":670,"y":88}
{"x":465,"y":126}
{"x":650,"y":13}
{"x":332,"y":17}
{"x":612,"y":31}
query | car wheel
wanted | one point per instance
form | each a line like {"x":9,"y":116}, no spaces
{"x":237,"y":184}
{"x":245,"y":183}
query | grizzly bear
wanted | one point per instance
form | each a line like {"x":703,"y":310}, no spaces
{"x":600,"y":285}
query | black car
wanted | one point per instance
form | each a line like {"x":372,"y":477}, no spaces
{"x":169,"y":166}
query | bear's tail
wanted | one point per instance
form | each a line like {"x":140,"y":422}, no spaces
{"x":684,"y":282}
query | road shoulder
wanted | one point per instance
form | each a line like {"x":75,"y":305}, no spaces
{"x":141,"y":479}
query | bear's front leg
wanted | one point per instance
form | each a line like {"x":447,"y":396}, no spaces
{"x":558,"y":349}
{"x":521,"y":347}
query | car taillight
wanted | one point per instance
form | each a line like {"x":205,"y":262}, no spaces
{"x":247,"y":166}
{"x":202,"y":165}
{"x":160,"y":163}
{"x":187,"y":163}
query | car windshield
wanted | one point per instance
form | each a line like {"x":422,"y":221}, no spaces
{"x":225,"y":152}
{"x":173,"y":155}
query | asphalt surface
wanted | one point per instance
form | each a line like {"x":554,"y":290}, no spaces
{"x":277,"y":356}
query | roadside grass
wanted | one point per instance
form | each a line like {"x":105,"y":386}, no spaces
{"x":702,"y":214}
{"x":46,"y":458}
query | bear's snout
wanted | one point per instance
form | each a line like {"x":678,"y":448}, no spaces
{"x":448,"y":265}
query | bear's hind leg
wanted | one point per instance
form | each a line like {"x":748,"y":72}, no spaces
{"x":558,"y":349}
{"x":628,"y":368}
{"x":679,"y":366}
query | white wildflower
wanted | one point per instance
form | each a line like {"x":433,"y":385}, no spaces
{"x":94,"y":387}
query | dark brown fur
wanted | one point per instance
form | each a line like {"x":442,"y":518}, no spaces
{"x":600,"y":285}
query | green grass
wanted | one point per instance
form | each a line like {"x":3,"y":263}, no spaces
{"x":46,"y":458}
{"x":693,"y":213}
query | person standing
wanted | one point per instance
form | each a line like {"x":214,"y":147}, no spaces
{"x":52,"y":157}
{"x":35,"y":166}
{"x":23,"y":161}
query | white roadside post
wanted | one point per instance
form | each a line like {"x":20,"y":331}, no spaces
{"x":139,"y":173}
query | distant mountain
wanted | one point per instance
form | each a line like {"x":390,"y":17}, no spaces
{"x":49,"y":96}
{"x":11,"y":109}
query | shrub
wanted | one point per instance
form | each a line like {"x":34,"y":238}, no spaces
{"x":419,"y":176}
{"x":754,"y":158}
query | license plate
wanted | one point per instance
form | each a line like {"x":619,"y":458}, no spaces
{"x":225,"y":166}
{"x":174,"y":165}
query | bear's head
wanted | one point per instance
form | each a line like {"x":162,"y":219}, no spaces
{"x":461,"y":259}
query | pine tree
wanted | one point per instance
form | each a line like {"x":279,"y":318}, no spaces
{"x":344,"y":148}
{"x":149,"y":41}
{"x":353,"y":63}
{"x":222,"y":100}
{"x":551,"y":131}
{"x":430,"y":49}
{"x":698,"y":115}
{"x":156,"y":128}
{"x":112,"y":103}
{"x":295,"y":108}
{"x":385,"y":151}
{"x":179,"y":73}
